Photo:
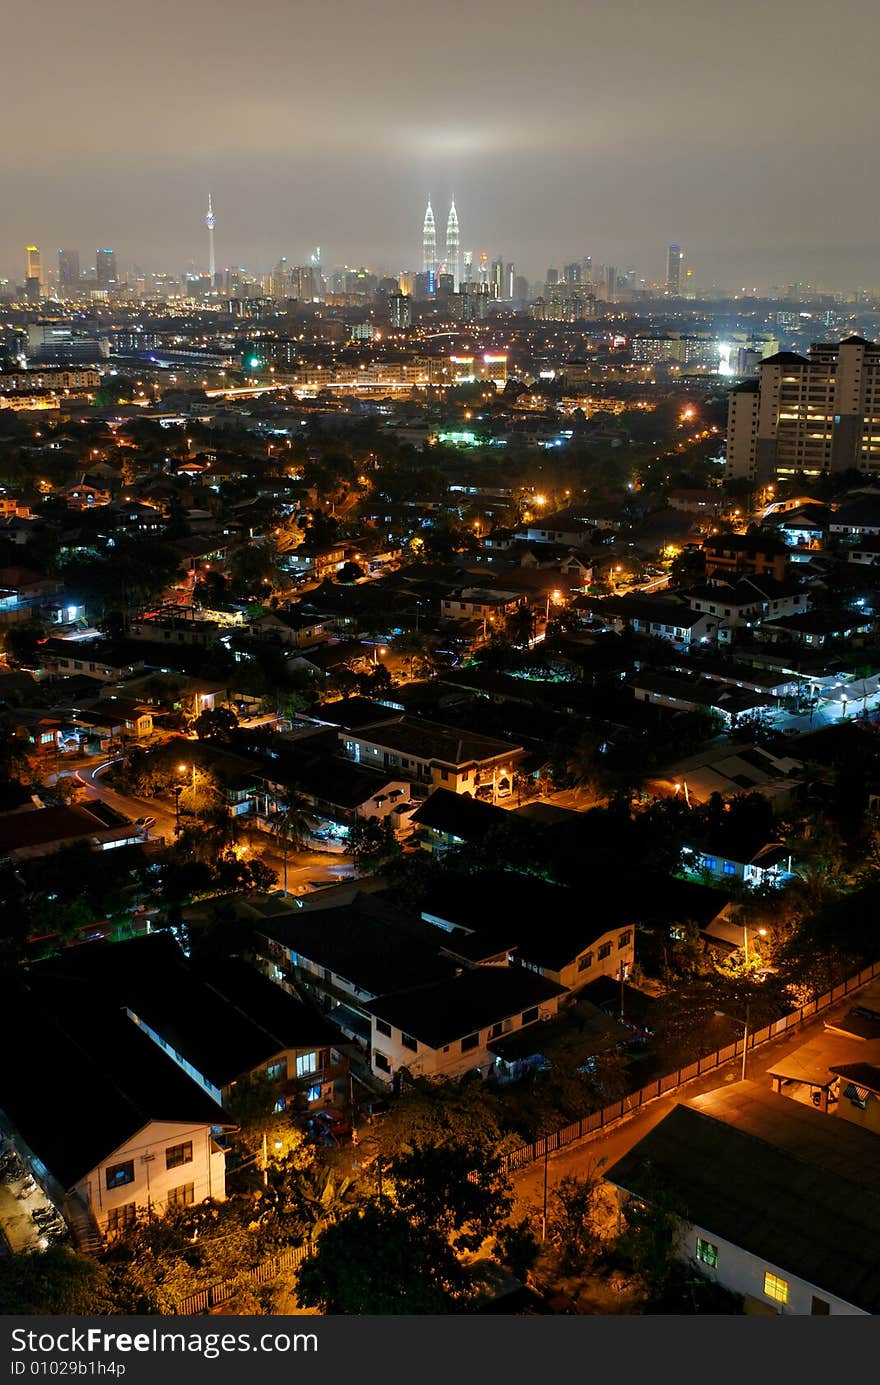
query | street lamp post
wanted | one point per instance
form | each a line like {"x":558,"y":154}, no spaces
{"x":178,"y":790}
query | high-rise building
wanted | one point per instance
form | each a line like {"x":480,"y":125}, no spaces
{"x":453,"y":246}
{"x":510,"y":282}
{"x":496,"y":279}
{"x":105,"y":268}
{"x":468,"y":271}
{"x":210,"y":222}
{"x":34,"y":263}
{"x":674,"y":266}
{"x":807,"y":415}
{"x":317,"y":275}
{"x":572,"y":273}
{"x":68,"y":269}
{"x":429,"y":242}
{"x":610,"y":283}
{"x":400,"y":310}
{"x":484,"y":269}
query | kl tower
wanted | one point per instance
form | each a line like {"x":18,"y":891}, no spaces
{"x":210,"y":222}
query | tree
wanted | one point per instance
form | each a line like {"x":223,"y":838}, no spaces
{"x":349,"y":572}
{"x":292,"y":825}
{"x":54,"y":1281}
{"x":456,"y":1191}
{"x":215,"y":724}
{"x":377,"y":1262}
{"x":403,"y":1252}
{"x":372,"y":842}
{"x":22,"y":641}
{"x":573,"y":1222}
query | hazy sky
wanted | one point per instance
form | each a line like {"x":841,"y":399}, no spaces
{"x":744,"y":129}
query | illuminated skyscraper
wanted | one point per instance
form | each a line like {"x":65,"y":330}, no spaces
{"x":105,"y":268}
{"x":674,"y":264}
{"x":453,"y":246}
{"x":34,"y":263}
{"x":429,"y":242}
{"x":210,"y":222}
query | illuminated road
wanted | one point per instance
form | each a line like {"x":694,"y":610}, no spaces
{"x":305,"y":869}
{"x":600,"y":1151}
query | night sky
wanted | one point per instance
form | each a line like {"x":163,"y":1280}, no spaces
{"x":743,"y":129}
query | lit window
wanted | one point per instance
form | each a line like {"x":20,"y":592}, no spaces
{"x":775,"y":1288}
{"x":119,"y":1174}
{"x":707,"y":1253}
{"x":306,"y":1063}
{"x":729,"y":868}
{"x":276,"y":1072}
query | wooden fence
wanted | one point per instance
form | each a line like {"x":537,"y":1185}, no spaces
{"x":616,"y":1110}
{"x":215,"y":1294}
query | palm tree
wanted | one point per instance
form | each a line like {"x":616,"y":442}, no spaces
{"x":292,"y":824}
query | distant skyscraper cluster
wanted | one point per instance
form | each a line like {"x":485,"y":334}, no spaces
{"x":464,"y":280}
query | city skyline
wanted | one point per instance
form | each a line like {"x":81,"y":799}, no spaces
{"x":686,"y":130}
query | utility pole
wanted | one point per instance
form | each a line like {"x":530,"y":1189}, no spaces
{"x":544,"y":1212}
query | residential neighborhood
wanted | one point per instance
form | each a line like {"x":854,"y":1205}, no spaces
{"x":400,"y":789}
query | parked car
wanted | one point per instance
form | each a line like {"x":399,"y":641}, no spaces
{"x":332,"y":1125}
{"x":145,"y":823}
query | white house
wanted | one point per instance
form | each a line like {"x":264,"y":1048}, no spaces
{"x":164,"y":1164}
{"x":783,"y":1201}
{"x":444,"y":1029}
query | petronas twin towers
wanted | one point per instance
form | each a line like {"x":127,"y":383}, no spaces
{"x":452,"y":257}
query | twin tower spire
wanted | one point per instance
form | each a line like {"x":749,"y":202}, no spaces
{"x":453,"y":244}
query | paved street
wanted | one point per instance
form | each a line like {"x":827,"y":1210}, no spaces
{"x":601,"y":1150}
{"x":305,"y":869}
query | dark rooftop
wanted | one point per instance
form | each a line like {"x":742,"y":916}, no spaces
{"x":367,"y":942}
{"x":114,"y":1080}
{"x":790,"y":1184}
{"x":442,"y":1011}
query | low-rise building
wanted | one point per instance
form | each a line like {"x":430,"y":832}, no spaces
{"x":779,"y":1203}
{"x":427,"y":752}
{"x":445,"y":1028}
{"x":126,"y":1134}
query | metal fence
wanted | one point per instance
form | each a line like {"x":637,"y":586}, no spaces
{"x":292,"y":1258}
{"x":616,"y":1110}
{"x":216,"y":1294}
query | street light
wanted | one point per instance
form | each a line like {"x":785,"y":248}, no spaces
{"x":722,"y":1014}
{"x":761,"y":931}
